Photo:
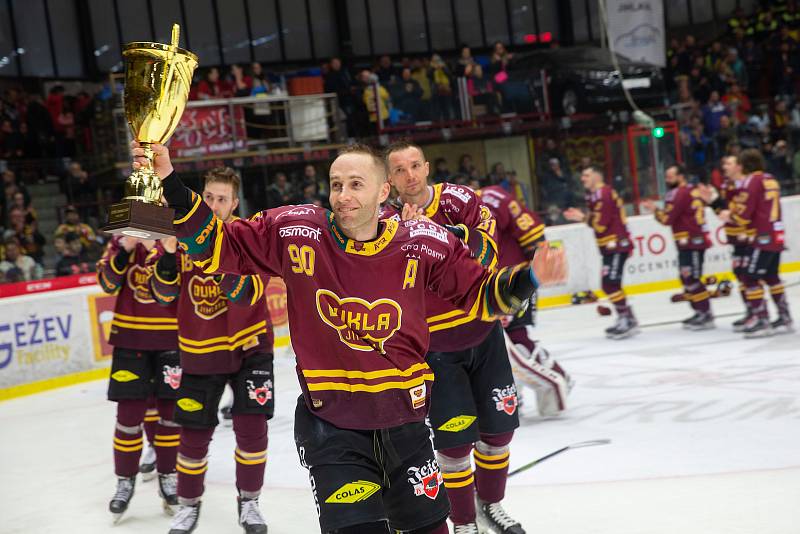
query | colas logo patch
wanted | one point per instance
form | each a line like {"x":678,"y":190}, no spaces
{"x":425,"y":480}
{"x":137,"y":278}
{"x":206,"y":295}
{"x":356,"y":491}
{"x":261,"y":394}
{"x":361,"y":325}
{"x":505,"y":399}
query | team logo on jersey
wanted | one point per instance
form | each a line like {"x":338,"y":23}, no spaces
{"x":261,"y":394}
{"x":505,"y":399}
{"x":172,"y":375}
{"x":426,"y":480}
{"x":361,"y":325}
{"x":208,"y":298}
{"x":356,"y":491}
{"x":137,"y":279}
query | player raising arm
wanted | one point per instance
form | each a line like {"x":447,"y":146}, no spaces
{"x":356,"y":300}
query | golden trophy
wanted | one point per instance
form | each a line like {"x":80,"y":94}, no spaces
{"x":157,"y":82}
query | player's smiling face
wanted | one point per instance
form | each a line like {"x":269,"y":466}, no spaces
{"x":408,"y":172}
{"x":358,"y":187}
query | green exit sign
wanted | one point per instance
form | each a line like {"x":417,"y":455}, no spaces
{"x":658,"y":132}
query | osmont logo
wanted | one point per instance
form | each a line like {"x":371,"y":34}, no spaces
{"x":359,"y":490}
{"x":458,"y":192}
{"x":361,"y":325}
{"x":457,"y":423}
{"x":300,"y":230}
{"x":430,"y":230}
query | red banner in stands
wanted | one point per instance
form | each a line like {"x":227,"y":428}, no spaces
{"x":50,"y":284}
{"x":209,"y":130}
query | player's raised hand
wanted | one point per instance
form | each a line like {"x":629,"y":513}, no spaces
{"x":549,"y":265}
{"x":128,"y":243}
{"x":161,"y":162}
{"x":574,"y":214}
{"x":170,"y":244}
{"x":410,"y":211}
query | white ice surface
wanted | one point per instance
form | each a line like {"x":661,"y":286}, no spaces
{"x":705,"y":431}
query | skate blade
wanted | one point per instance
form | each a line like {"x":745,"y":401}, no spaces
{"x":783,"y":330}
{"x":738,"y":329}
{"x":630,"y":333}
{"x":759,"y":334}
{"x":699,"y":328}
{"x":148,"y":476}
{"x":116,"y":518}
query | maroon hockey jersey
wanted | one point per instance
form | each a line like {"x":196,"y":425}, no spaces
{"x":451,"y":328}
{"x":356,"y":309}
{"x":607,"y":219}
{"x":519,"y":230}
{"x":758,"y":209}
{"x":730,"y":191}
{"x":139,"y":322}
{"x":684,"y":212}
{"x":222,"y":319}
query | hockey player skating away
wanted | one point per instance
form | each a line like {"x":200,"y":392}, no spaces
{"x":724,"y":204}
{"x":356,"y":288}
{"x":519,"y":231}
{"x":144,"y":366}
{"x":225,"y":337}
{"x":474,"y":402}
{"x":606,"y":216}
{"x":684,"y":212}
{"x":759,"y":208}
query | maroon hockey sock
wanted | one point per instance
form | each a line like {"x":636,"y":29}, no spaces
{"x":491,"y":466}
{"x":460,"y":483}
{"x":519,"y":336}
{"x":697,"y":294}
{"x":167,"y":437}
{"x":128,"y":440}
{"x":192,"y":462}
{"x":251,"y":452}
{"x":151,"y":420}
{"x":755,"y":299}
{"x":778,"y":294}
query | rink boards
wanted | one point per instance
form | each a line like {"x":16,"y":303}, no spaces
{"x":56,"y":338}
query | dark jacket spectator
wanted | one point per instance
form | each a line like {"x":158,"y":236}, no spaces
{"x":557,"y":186}
{"x":74,"y":260}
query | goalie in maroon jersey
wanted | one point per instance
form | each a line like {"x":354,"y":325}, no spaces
{"x":144,"y":368}
{"x":519,"y":231}
{"x":606,"y":216}
{"x":474,"y":404}
{"x":356,"y":300}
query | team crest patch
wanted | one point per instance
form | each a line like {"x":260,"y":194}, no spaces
{"x":361,"y":325}
{"x":172,"y":375}
{"x":208,"y":298}
{"x":426,"y":480}
{"x":261,"y":394}
{"x":505,"y":399}
{"x":137,"y":278}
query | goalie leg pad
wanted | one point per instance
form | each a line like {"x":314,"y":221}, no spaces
{"x":544,"y":375}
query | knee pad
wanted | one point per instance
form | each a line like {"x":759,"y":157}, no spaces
{"x":491,"y":442}
{"x":130,"y":413}
{"x":455,"y":459}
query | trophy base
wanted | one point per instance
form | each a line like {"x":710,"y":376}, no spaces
{"x":138,"y":219}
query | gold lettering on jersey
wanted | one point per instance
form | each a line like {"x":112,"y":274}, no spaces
{"x":361,"y":325}
{"x":410,"y":279}
{"x":137,"y":279}
{"x":208,"y":299}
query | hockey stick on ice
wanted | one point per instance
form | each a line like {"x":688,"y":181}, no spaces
{"x":578,"y":445}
